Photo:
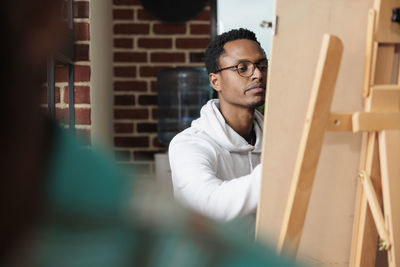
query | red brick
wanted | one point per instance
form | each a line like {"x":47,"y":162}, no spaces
{"x":148,"y":100}
{"x":81,"y":52}
{"x":156,"y":143}
{"x":81,"y":30}
{"x":82,"y":115}
{"x":147,"y":127}
{"x":131,"y":114}
{"x":62,"y":115}
{"x":150,"y":71}
{"x":131,"y":141}
{"x":126,"y":2}
{"x":137,"y":86}
{"x":153,"y":86}
{"x":82,"y":73}
{"x":81,"y":9}
{"x":43,"y":95}
{"x":130,"y":57}
{"x":154,"y":113}
{"x":199,"y":29}
{"x":204,"y":15}
{"x":126,"y":14}
{"x":81,"y":94}
{"x":155,"y":43}
{"x":132,"y":28}
{"x":124,"y":100}
{"x":167,"y":57}
{"x":123,"y":127}
{"x":61,"y":74}
{"x":192,"y":42}
{"x":196,"y":57}
{"x":123,"y":43}
{"x":162,"y":28}
{"x":144,"y":15}
{"x":125,"y":72}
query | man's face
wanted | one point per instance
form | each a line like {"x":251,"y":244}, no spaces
{"x":234,"y":89}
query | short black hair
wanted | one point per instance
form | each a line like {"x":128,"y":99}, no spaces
{"x":216,"y":46}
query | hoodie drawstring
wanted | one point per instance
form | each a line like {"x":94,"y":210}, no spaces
{"x":251,"y":163}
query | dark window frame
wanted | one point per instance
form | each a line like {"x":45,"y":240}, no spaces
{"x":64,"y":57}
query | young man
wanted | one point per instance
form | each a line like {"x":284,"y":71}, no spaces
{"x":215,"y":163}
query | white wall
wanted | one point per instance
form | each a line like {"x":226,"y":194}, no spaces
{"x":101,"y":71}
{"x":232,"y":14}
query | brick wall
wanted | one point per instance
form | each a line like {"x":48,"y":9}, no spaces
{"x":142,"y":47}
{"x":82,"y":74}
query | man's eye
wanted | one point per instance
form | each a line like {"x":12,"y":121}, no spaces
{"x":263,"y":67}
{"x":243,"y":68}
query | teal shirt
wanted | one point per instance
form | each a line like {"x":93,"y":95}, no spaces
{"x":97,"y":216}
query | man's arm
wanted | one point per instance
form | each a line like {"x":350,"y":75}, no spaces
{"x":193,"y":166}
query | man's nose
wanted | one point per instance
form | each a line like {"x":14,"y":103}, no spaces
{"x":258,"y":74}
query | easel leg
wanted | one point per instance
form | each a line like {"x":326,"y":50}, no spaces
{"x":365,"y":236}
{"x":389,"y":148}
{"x":310,"y":146}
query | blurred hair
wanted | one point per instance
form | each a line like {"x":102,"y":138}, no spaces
{"x":25,"y":135}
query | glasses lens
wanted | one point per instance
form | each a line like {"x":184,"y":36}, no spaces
{"x":263,"y":66}
{"x":245,"y":69}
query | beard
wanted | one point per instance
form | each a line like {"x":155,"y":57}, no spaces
{"x":257,"y":102}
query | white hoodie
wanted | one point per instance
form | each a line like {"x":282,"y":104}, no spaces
{"x":214,"y":169}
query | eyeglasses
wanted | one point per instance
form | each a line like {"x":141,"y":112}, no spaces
{"x":247,"y":68}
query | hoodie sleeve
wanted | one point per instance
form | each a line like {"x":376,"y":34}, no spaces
{"x":193,"y":167}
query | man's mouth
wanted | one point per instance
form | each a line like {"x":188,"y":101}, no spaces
{"x":259,"y":88}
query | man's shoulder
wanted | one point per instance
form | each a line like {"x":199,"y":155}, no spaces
{"x":189,"y":134}
{"x":192,"y":138}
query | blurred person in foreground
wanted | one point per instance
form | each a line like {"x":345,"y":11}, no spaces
{"x":63,"y":204}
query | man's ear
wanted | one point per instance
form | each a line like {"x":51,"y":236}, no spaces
{"x":215,"y":81}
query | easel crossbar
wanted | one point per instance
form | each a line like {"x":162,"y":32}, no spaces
{"x":375,"y":210}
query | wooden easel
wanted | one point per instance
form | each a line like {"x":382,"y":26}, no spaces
{"x":379,"y":176}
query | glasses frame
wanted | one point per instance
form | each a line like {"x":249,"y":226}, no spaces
{"x":255,"y":65}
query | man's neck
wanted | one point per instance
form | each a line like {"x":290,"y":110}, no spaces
{"x":238,"y":118}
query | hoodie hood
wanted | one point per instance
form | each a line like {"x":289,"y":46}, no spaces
{"x":213,"y":124}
